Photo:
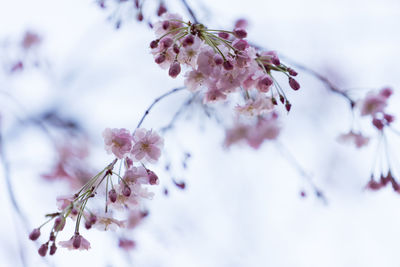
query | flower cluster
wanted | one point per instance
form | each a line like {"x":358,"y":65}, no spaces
{"x":223,"y":63}
{"x":374,"y":105}
{"x":220,"y":61}
{"x":126,"y":194}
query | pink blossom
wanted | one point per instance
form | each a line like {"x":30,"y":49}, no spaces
{"x":76,"y":242}
{"x":256,"y":107}
{"x":147,"y":145}
{"x":64,"y":201}
{"x":356,"y":138}
{"x":194,"y":79}
{"x":30,"y":40}
{"x":117,"y":141}
{"x":106,"y":222}
{"x":136,"y":175}
{"x":266,"y":129}
{"x":126,"y":244}
{"x":235,"y":134}
{"x":372,"y":104}
{"x":173,"y":22}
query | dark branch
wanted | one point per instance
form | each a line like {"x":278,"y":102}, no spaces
{"x":293,"y":161}
{"x":155,"y":102}
{"x":190,"y":11}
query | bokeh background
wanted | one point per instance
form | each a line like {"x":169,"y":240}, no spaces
{"x":240,"y":207}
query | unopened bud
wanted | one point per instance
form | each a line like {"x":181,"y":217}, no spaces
{"x":153,"y":44}
{"x":43,"y":249}
{"x":294,"y":84}
{"x":165,"y":25}
{"x":112,"y":194}
{"x":227,"y":65}
{"x":53,"y":249}
{"x":126,"y":191}
{"x":160,"y":58}
{"x":188,"y":40}
{"x":161,"y":9}
{"x":223,"y":35}
{"x":240,"y":33}
{"x":174,"y":69}
{"x":34,"y":234}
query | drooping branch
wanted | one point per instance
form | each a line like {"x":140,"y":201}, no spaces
{"x":155,"y":102}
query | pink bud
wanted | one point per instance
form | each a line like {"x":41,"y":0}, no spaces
{"x":166,"y":42}
{"x":154,"y":44}
{"x":112,"y":194}
{"x":53,"y":249}
{"x":153,"y":178}
{"x":378,"y":123}
{"x":282,"y":99}
{"x":240,"y":44}
{"x":43,"y":249}
{"x":223,"y":35}
{"x":93,"y":219}
{"x":241,"y":23}
{"x":188,"y":40}
{"x":240,"y":33}
{"x":227,"y":65}
{"x":389,"y":118}
{"x":88,"y":225}
{"x":264,"y":83}
{"x":76,"y":243}
{"x":174,"y":69}
{"x":294,"y":84}
{"x":292,"y":72}
{"x":59,"y":223}
{"x":126,"y":191}
{"x":218,"y":59}
{"x":34,"y":234}
{"x":165,"y":25}
{"x":288,"y":106}
{"x":139,"y":16}
{"x":160,"y":58}
{"x":176,"y":49}
{"x":386,"y":92}
{"x":161,"y":9}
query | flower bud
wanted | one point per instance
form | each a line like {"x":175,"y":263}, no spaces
{"x":227,"y":65}
{"x":188,"y":40}
{"x":153,"y":44}
{"x":59,"y":223}
{"x":160,"y":58}
{"x":161,"y":9}
{"x":112,"y":194}
{"x":43,"y":249}
{"x":288,"y":106}
{"x":76,"y":243}
{"x":240,"y":33}
{"x":153,"y":178}
{"x":294,"y":84}
{"x":167,"y":42}
{"x":34,"y":234}
{"x":265,"y":83}
{"x":292,"y":72}
{"x":240,"y":44}
{"x":165,"y":25}
{"x":218,"y":59}
{"x":126,"y":191}
{"x":223,"y":35}
{"x":378,"y":123}
{"x":174,"y":69}
{"x":53,"y":249}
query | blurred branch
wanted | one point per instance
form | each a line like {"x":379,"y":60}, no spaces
{"x":190,"y":11}
{"x":155,"y":102}
{"x":10,"y":190}
{"x":185,"y":104}
{"x":294,"y":162}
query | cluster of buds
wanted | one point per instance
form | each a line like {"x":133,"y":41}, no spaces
{"x":221,"y":61}
{"x":383,"y":181}
{"x":224,"y":63}
{"x":122,"y":190}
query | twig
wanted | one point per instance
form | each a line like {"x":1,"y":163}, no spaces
{"x":170,"y":125}
{"x":190,"y":11}
{"x":21,"y":215}
{"x":292,"y":160}
{"x":155,"y":102}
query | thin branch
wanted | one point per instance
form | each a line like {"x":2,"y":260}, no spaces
{"x":190,"y":11}
{"x":155,"y":102}
{"x":329,"y":84}
{"x":21,"y":215}
{"x":185,"y":104}
{"x":293,"y":161}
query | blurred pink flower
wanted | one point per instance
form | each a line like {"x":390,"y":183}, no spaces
{"x":117,"y":141}
{"x":147,"y":145}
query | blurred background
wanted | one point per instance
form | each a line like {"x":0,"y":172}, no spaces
{"x":240,"y":207}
